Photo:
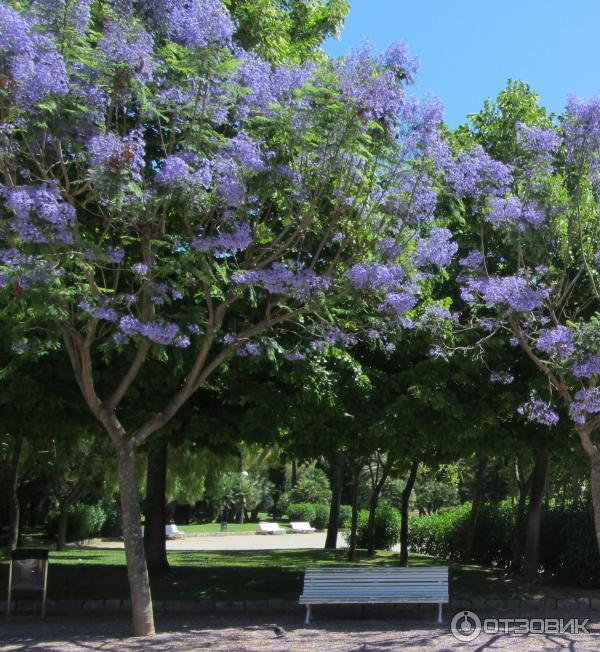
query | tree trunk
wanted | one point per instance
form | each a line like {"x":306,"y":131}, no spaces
{"x":472,"y":526}
{"x":373,"y":502}
{"x":517,"y":540}
{"x":354,"y":522}
{"x":155,"y":542}
{"x":406,"y":492}
{"x":63,"y":520}
{"x":13,"y":498}
{"x":336,"y":500}
{"x":532,"y":541}
{"x":294,"y":479}
{"x":137,"y":572}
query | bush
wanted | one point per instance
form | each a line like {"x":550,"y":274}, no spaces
{"x":387,"y":527}
{"x":312,"y":487}
{"x":444,"y":534}
{"x":301,"y":512}
{"x":83,"y":522}
{"x":345,"y":516}
{"x":321,"y":519}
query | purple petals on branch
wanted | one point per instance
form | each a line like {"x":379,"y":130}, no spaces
{"x":473,"y":260}
{"x":502,"y":378}
{"x":587,"y":401}
{"x":159,"y":332}
{"x":476,"y":174}
{"x":536,"y":410}
{"x":513,"y":212}
{"x":237,"y":240}
{"x":283,"y":280}
{"x":128,"y":48}
{"x":376,"y":276}
{"x":437,"y":249}
{"x":558,"y":342}
{"x":587,"y":367}
{"x":41,"y":215}
{"x":114,"y":155}
{"x":514,"y":292}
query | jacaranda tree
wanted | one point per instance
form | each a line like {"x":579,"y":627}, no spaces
{"x":168,"y":195}
{"x":534,"y":274}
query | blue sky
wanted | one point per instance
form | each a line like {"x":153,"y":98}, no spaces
{"x":469,"y":48}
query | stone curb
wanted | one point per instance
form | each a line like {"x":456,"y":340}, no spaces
{"x":279,"y":605}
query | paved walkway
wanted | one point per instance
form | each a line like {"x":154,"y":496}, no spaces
{"x":242,"y":542}
{"x":255,"y":634}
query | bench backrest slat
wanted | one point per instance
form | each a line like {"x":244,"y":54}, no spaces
{"x":351,"y":582}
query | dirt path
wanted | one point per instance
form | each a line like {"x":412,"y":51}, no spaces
{"x":254,"y":634}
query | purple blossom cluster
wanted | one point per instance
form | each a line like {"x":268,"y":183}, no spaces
{"x":114,"y":155}
{"x":476,"y":174}
{"x":35,"y":66}
{"x":438,"y":249}
{"x":128,"y":48}
{"x":376,"y":276}
{"x":536,"y":410}
{"x":581,"y":128}
{"x":513,"y":212}
{"x":159,"y":332}
{"x":557,"y":342}
{"x":294,"y":356}
{"x":176,"y":172}
{"x":473,"y":260}
{"x":541,"y":143}
{"x":374,"y":86}
{"x":399,"y":303}
{"x":194,"y":23}
{"x":586,"y":401}
{"x":64,"y":14}
{"x":514,"y":292}
{"x":41,"y":214}
{"x":587,"y":367}
{"x":238,"y":239}
{"x":283,"y":280}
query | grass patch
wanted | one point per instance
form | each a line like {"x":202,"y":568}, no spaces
{"x":231,"y":527}
{"x":85,"y":573}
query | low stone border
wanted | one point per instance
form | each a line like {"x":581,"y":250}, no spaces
{"x":279,"y":605}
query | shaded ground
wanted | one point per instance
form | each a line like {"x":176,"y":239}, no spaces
{"x":254,"y":634}
{"x":97,"y":574}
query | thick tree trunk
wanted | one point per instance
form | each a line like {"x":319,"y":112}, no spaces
{"x":137,"y":572}
{"x":13,"y":498}
{"x":518,"y":534}
{"x":595,"y":485}
{"x":155,"y":542}
{"x":63,"y":520}
{"x":294,"y":479}
{"x":472,"y":525}
{"x":534,"y":516}
{"x":336,"y":500}
{"x":404,"y":509}
{"x":354,"y":521}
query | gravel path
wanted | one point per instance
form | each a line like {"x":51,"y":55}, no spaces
{"x":254,"y":634}
{"x":242,"y":542}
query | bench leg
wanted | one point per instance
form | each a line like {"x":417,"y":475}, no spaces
{"x":440,"y":613}
{"x":307,"y":619}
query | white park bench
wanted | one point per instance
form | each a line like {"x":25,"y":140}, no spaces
{"x":270,"y":528}
{"x":301,"y":526}
{"x":171,"y":532}
{"x":424,"y":585}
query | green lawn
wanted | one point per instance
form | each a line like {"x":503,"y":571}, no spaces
{"x":246,"y":575}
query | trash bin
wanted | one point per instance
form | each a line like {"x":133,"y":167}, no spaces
{"x":28,"y":573}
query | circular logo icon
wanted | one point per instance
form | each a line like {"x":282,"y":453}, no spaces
{"x":465,"y":626}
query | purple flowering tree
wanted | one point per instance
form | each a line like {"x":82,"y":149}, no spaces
{"x":166,"y":195}
{"x":534,"y":273}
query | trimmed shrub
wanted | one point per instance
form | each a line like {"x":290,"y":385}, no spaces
{"x":301,"y":512}
{"x":321,"y":519}
{"x":345,"y":516}
{"x":387,"y":527}
{"x":84,"y":522}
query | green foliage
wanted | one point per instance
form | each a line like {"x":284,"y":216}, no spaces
{"x":345,"y":516}
{"x":302,"y":512}
{"x":312,"y":487}
{"x":387,"y":527}
{"x":321,"y":519}
{"x":84,"y":522}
